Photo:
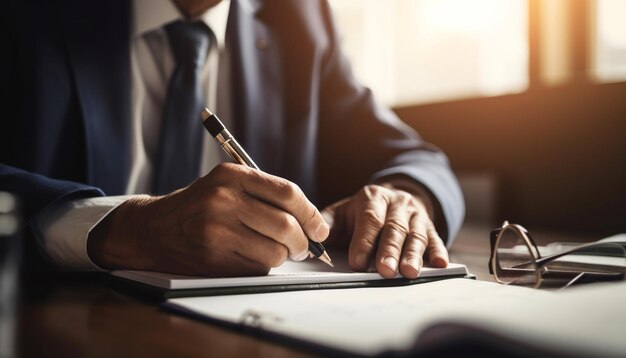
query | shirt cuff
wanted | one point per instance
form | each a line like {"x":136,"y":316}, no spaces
{"x":63,"y":229}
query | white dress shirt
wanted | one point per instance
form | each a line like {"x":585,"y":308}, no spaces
{"x":63,"y":229}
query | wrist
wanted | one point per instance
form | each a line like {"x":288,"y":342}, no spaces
{"x":116,"y":242}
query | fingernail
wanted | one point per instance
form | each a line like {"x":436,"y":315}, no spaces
{"x":321,"y":233}
{"x":391,"y":262}
{"x":438,"y":262}
{"x":361,"y":260}
{"x":302,"y":256}
{"x":328,"y":217}
{"x":415,"y":263}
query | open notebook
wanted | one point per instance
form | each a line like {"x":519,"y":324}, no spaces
{"x":429,"y":319}
{"x":305,"y":275}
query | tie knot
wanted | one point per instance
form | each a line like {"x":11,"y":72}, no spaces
{"x":189,"y":42}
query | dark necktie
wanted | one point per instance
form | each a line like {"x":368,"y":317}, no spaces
{"x":178,"y":159}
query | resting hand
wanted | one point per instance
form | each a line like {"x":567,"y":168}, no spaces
{"x":390,"y":227}
{"x":234,"y":221}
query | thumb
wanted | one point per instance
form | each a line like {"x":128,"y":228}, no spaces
{"x":335,"y":217}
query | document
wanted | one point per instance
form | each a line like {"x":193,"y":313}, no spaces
{"x":585,"y":254}
{"x":584,"y":321}
{"x":308,"y":274}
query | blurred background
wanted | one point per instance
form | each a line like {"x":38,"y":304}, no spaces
{"x":526,"y":97}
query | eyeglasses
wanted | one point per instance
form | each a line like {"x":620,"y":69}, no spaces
{"x":515,"y":260}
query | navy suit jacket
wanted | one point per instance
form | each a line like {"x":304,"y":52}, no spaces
{"x":66,"y":108}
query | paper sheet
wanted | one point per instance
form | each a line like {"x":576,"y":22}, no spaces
{"x":372,"y":320}
{"x":309,"y":271}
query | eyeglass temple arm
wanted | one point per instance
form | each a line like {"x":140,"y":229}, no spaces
{"x":493,"y":237}
{"x":543,"y":260}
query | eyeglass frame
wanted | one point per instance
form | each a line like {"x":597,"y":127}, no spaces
{"x":541,"y":262}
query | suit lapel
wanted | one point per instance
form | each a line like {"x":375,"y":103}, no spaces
{"x":99,"y":48}
{"x":256,"y":83}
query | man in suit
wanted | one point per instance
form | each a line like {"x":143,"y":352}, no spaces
{"x":85,"y":99}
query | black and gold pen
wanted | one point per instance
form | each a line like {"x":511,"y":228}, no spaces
{"x":235,"y":151}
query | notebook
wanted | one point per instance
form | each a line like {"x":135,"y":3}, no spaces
{"x":305,"y":275}
{"x":428,"y":318}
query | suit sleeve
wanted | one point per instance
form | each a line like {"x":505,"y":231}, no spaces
{"x":36,"y":193}
{"x":355,"y":129}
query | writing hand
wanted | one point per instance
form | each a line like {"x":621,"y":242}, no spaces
{"x":390,"y":227}
{"x":234,"y":221}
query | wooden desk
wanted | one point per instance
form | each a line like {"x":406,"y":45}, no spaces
{"x":72,"y":315}
{"x":80,"y":315}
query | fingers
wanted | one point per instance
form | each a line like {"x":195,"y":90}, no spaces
{"x":394,"y":228}
{"x":274,"y":223}
{"x":371,"y":211}
{"x":271,"y":206}
{"x":258,"y":248}
{"x":415,"y":245}
{"x":235,"y":220}
{"x":233,"y":249}
{"x":392,"y":237}
{"x":437,"y":252}
{"x":288,"y":197}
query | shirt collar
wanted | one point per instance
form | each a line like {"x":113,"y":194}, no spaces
{"x":149,"y":15}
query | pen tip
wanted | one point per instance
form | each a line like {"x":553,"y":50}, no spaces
{"x":205,"y":114}
{"x":326,"y":259}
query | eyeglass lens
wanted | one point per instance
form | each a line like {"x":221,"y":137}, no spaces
{"x":514,"y":262}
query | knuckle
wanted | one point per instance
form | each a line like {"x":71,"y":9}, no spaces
{"x":363,"y":245}
{"x":220,"y":171}
{"x":219,"y":193}
{"x":218,"y":197}
{"x":287,"y":225}
{"x":226,"y":171}
{"x":413,"y":252}
{"x":372,"y":218}
{"x":405,"y":198}
{"x":370,"y":191}
{"x":397,"y":226}
{"x":278,"y":256}
{"x":311,"y":220}
{"x":223,"y":193}
{"x":418,"y":236}
{"x":290,"y":190}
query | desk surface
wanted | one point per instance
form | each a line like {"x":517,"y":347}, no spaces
{"x":80,"y":315}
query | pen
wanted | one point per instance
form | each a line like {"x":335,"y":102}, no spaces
{"x":226,"y":140}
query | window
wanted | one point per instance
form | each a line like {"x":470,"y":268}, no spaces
{"x":609,"y":41}
{"x":416,"y":51}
